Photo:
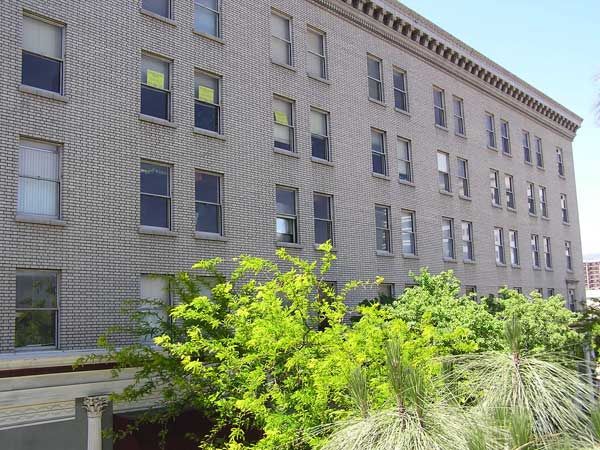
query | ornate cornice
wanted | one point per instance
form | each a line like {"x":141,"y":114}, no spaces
{"x":405,"y":28}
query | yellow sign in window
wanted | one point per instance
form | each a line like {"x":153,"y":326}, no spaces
{"x":206,"y":94}
{"x":155,"y":79}
{"x":281,"y":118}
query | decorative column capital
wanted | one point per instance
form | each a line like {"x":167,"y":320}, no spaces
{"x":95,"y":405}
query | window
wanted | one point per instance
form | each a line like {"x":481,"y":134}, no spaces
{"x":316,"y":62}
{"x":375,"y":78}
{"x":564,"y":210}
{"x":319,"y":134}
{"x":463,"y":176}
{"x":510,"y":191}
{"x":404,"y":159}
{"x":207,"y":17}
{"x":323,"y":213}
{"x":448,"y":238}
{"x":409,"y":241}
{"x":535,"y":251}
{"x":287,"y":216}
{"x":467,"y":238}
{"x":383,"y":228}
{"x":499,"y":245}
{"x":526,"y":147}
{"x":568,"y":255}
{"x":459,"y":116}
{"x":551,"y":292}
{"x":39,"y":179}
{"x":505,"y":137}
{"x":42,"y":55}
{"x":539,"y":153}
{"x":543,"y":201}
{"x":400,"y":90}
{"x":155,"y":190}
{"x":385,"y":290}
{"x":281,"y":40}
{"x":207,"y":105}
{"x":560,"y":161}
{"x":443,"y":162}
{"x":495,"y":187}
{"x":160,"y":7}
{"x":439,"y":107}
{"x":471,"y":290}
{"x":283,"y":124}
{"x":531,"y":198}
{"x":156,"y":94}
{"x":378,"y":152}
{"x":209,"y":212}
{"x":37,"y":304}
{"x":571,"y":300}
{"x":539,"y":291}
{"x":547,"y":252}
{"x":518,"y":290}
{"x":513,"y":238}
{"x":490,"y":129}
{"x":154,"y":293}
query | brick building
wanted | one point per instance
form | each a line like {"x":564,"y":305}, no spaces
{"x":138,"y":137}
{"x":592,"y":275}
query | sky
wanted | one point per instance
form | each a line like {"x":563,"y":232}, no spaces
{"x":553,"y":45}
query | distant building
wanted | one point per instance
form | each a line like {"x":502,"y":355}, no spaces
{"x":592,"y":275}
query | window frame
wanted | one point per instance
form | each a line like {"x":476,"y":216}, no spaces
{"x":526,"y":144}
{"x":169,"y":15}
{"x":535,"y":251}
{"x":447,"y":188}
{"x":219,"y":205}
{"x":505,"y":139}
{"x":569,"y":256}
{"x":167,"y":91}
{"x":290,"y":44}
{"x":399,"y":92}
{"x":219,"y":105}
{"x":441,"y":108}
{"x":468,"y":244}
{"x":560,"y":161}
{"x":509,"y":184}
{"x":490,"y":129}
{"x":331,"y":219}
{"x":495,"y":188}
{"x":285,"y":216}
{"x":564,"y":208}
{"x":539,"y":152}
{"x":323,"y":57}
{"x":459,"y":120}
{"x":412,"y":233}
{"x":547,"y":250}
{"x":291,"y":126}
{"x":515,"y":257}
{"x":464,"y":189}
{"x":146,"y":306}
{"x":406,"y":162}
{"x":327,"y":137}
{"x":543,"y":199}
{"x":499,"y":246}
{"x":449,"y":240}
{"x":169,"y":198}
{"x":382,"y":155}
{"x":217,"y":12}
{"x":387,"y":231}
{"x":531,"y":199}
{"x":379,"y":81}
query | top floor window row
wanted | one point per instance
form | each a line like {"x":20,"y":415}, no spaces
{"x":207,"y":14}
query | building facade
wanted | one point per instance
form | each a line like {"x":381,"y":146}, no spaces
{"x":592,"y":275}
{"x":139,"y":137}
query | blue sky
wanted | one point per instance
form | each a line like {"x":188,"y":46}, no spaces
{"x":554,"y":45}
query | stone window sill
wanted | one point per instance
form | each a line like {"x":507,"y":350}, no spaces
{"x":449,"y":260}
{"x":316,"y":78}
{"x":316,"y":246}
{"x":208,"y":133}
{"x":321,"y":161}
{"x":448,"y":193}
{"x":377,"y":102}
{"x":440,"y":127}
{"x":158,"y":17}
{"x":460,"y":135}
{"x":157,"y":121}
{"x":380,"y":176}
{"x":546,"y":218}
{"x":289,"y":245}
{"x":408,"y":256}
{"x":494,"y":205}
{"x":283,"y":65}
{"x":40,"y":220}
{"x":406,"y":183}
{"x":500,"y":264}
{"x":532,"y":215}
{"x":202,"y":235}
{"x":512,"y":210}
{"x":508,"y":155}
{"x":384,"y":253}
{"x":43,"y":93}
{"x":209,"y":37}
{"x":469,"y":261}
{"x":156,"y":231}
{"x":464,"y":197}
{"x":401,"y":111}
{"x":568,"y":224}
{"x":515,"y":266}
{"x":494,"y":149}
{"x":285,"y":152}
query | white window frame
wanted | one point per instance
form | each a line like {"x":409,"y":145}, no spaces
{"x":513,"y":242}
{"x":531,"y":199}
{"x":445,"y":174}
{"x":219,"y":205}
{"x":459,"y":119}
{"x":441,"y":108}
{"x":499,"y":246}
{"x":564,"y":208}
{"x":449,"y":240}
{"x":382,"y":154}
{"x":490,"y":131}
{"x":327,"y":136}
{"x":291,"y":125}
{"x":539,"y":152}
{"x":535,"y":251}
{"x":323,"y":57}
{"x":198,"y":4}
{"x":219,"y":80}
{"x":168,"y":197}
{"x":505,"y":137}
{"x":465,"y":185}
{"x":378,"y":81}
{"x":495,"y":187}
{"x":167,"y":90}
{"x":387,"y":231}
{"x":468,"y":243}
{"x":412,"y":234}
{"x":560,"y":161}
{"x":543,"y":198}
{"x":400,"y":92}
{"x":331,"y":216}
{"x":290,"y":43}
{"x":547,"y":249}
{"x":526,"y":144}
{"x":292,"y":217}
{"x":569,"y":256}
{"x":509,"y":184}
{"x":407,"y":162}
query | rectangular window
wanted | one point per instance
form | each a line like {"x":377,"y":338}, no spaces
{"x":467,"y":238}
{"x":378,"y":152}
{"x":383,"y":228}
{"x":464,"y":188}
{"x":448,"y":238}
{"x":156,"y":87}
{"x":531,"y":198}
{"x":323,"y":214}
{"x":495,"y":187}
{"x":160,"y":7}
{"x":547,"y":252}
{"x":499,"y":245}
{"x":543,"y":201}
{"x":39,"y":179}
{"x":207,"y":15}
{"x":459,"y":116}
{"x":510,"y":191}
{"x":443,"y":162}
{"x":42,"y":54}
{"x":526,"y":147}
{"x":568,"y":256}
{"x":490,"y":129}
{"x":513,"y":237}
{"x":207,"y":105}
{"x":535,"y":251}
{"x":400,"y":90}
{"x":316,"y":62}
{"x":551,"y":292}
{"x":385,"y":290}
{"x":287,"y":215}
{"x":283,"y":124}
{"x":36,"y":320}
{"x":560,"y":161}
{"x":319,"y":134}
{"x":409,"y":240}
{"x":564,"y":210}
{"x":518,"y":290}
{"x":539,"y":152}
{"x":571,"y":300}
{"x":209,"y":212}
{"x":471,"y":290}
{"x":404,"y":149}
{"x":154,"y":295}
{"x":375,"y":78}
{"x":505,"y":137}
{"x":281,"y":39}
{"x":439,"y":107}
{"x":155,"y":195}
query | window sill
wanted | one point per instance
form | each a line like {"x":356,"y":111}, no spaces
{"x":203,"y":235}
{"x":515,"y":266}
{"x":384,"y":253}
{"x":449,"y":260}
{"x":157,"y":121}
{"x":209,"y":133}
{"x":469,"y":261}
{"x":460,"y":135}
{"x":380,"y":176}
{"x":569,"y":270}
{"x":512,"y":210}
{"x":448,"y":193}
{"x":545,"y":218}
{"x":316,"y":78}
{"x":289,"y":245}
{"x":285,"y":152}
{"x":283,"y":65}
{"x":40,"y":220}
{"x":540,"y":168}
{"x":533,"y":215}
{"x":529,"y":163}
{"x":143,"y":229}
{"x":562,"y":177}
{"x":377,"y":102}
{"x":209,"y":37}
{"x":440,"y":127}
{"x":163,"y":19}
{"x":464,"y":197}
{"x":494,"y":205}
{"x":401,"y":111}
{"x":549,"y":269}
{"x":508,"y":155}
{"x":407,"y":256}
{"x":316,"y":246}
{"x":406,"y":183}
{"x":568,"y":224}
{"x":494,"y":149}
{"x":500,"y":264}
{"x":43,"y":93}
{"x":321,"y":161}
{"x":537,"y":268}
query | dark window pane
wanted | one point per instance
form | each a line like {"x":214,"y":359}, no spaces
{"x":319,"y":147}
{"x":154,"y":179}
{"x":36,"y":290}
{"x":35,"y":328}
{"x":207,"y":188}
{"x":207,"y":117}
{"x":155,"y":103}
{"x":383,"y":240}
{"x":154,"y":211}
{"x":286,"y":201}
{"x":208,"y":218}
{"x":206,"y":21}
{"x":40,"y":72}
{"x":381,"y":218}
{"x":322,"y":231}
{"x":400,"y":101}
{"x":379,"y":163}
{"x":157,"y":6}
{"x":321,"y":207}
{"x":373,"y":68}
{"x":374,"y":89}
